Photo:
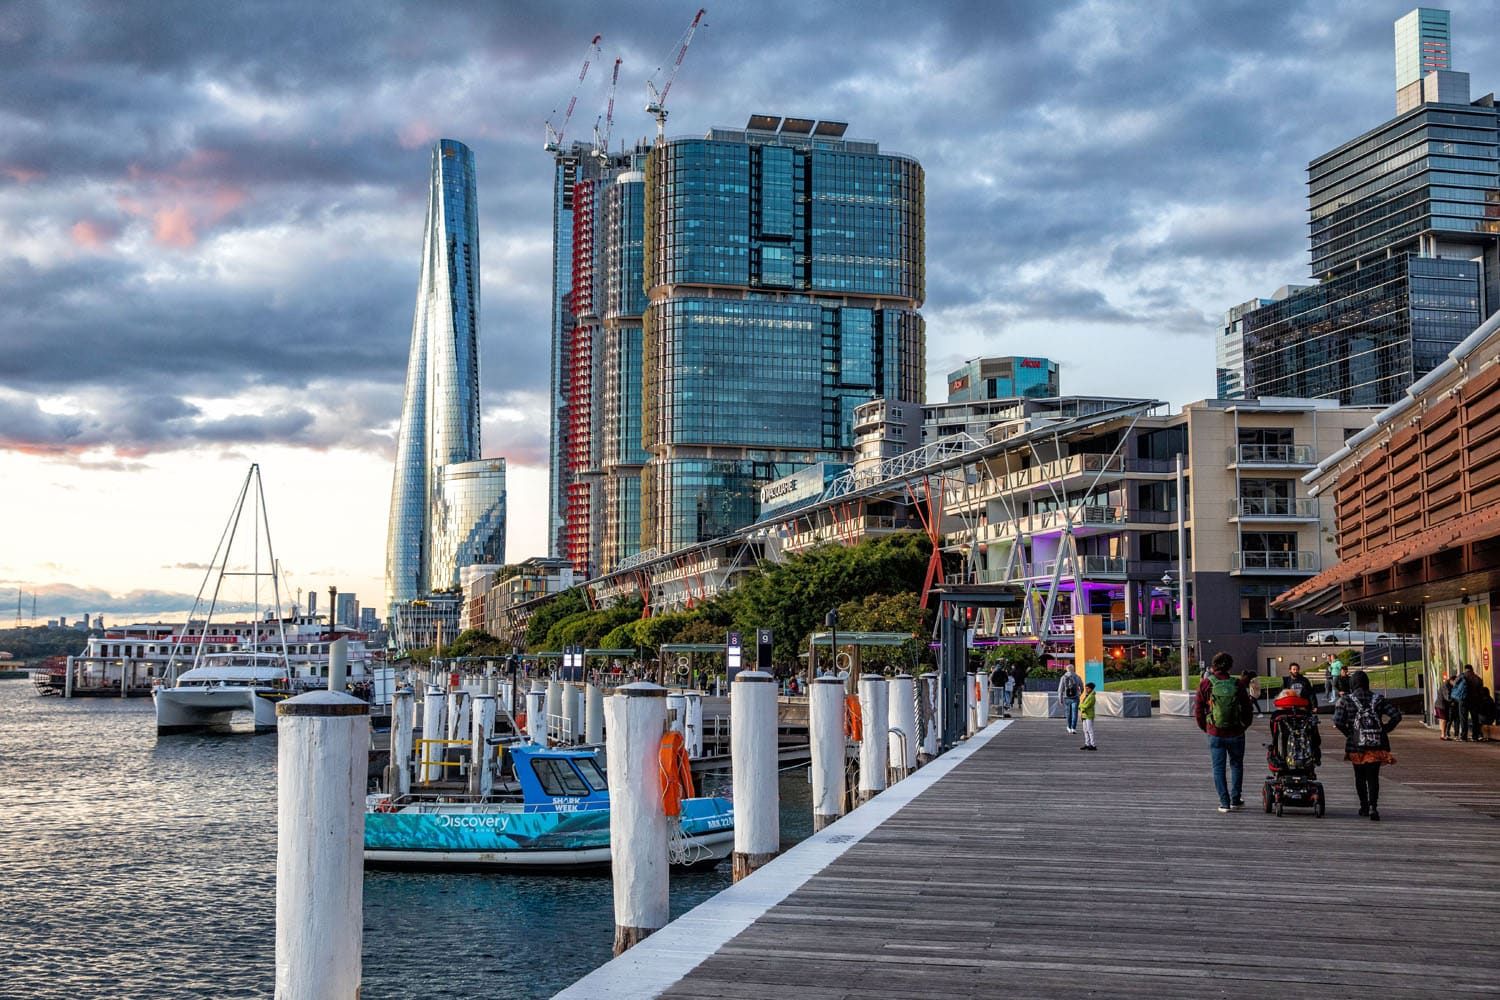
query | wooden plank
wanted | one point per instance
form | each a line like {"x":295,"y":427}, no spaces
{"x":1034,"y":869}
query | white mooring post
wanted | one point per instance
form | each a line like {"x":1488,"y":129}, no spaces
{"x":68,"y":680}
{"x":124,"y":678}
{"x":572,"y":702}
{"x":903,"y":720}
{"x":969,"y":701}
{"x":481,"y":773}
{"x":554,"y":707}
{"x":536,"y":716}
{"x":322,"y":756}
{"x":874,"y":709}
{"x":432,"y":729}
{"x":593,"y":715}
{"x":458,"y":714}
{"x":693,"y":728}
{"x":752,"y":742}
{"x":677,"y":712}
{"x":828,"y":746}
{"x":928,"y":689}
{"x":338,"y":664}
{"x":981,"y":700}
{"x":403,"y":718}
{"x":636,"y":717}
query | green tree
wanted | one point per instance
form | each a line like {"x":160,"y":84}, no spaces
{"x":568,"y":602}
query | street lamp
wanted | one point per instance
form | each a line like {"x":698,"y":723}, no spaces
{"x":832,"y":621}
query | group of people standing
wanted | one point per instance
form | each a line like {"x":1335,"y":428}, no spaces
{"x":1225,"y":712}
{"x":1464,"y":705}
{"x":1007,"y":682}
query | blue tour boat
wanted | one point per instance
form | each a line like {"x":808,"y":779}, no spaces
{"x":554,"y":815}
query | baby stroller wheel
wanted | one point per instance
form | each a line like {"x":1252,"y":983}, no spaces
{"x":1318,"y":806}
{"x":1265,"y":796}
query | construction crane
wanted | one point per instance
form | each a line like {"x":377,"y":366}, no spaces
{"x":656,"y":103}
{"x":555,"y":135}
{"x":601,"y":139}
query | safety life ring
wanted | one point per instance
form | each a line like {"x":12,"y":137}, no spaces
{"x":385,"y":806}
{"x":676,"y":773}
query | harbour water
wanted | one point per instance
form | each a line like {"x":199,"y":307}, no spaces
{"x":133,"y":866}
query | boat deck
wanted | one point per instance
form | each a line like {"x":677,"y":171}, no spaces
{"x":1029,"y":868}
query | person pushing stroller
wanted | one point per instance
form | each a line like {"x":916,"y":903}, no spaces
{"x":1293,"y":756}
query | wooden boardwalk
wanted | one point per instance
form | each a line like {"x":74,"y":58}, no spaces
{"x":1034,"y":869}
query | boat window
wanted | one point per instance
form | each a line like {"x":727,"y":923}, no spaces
{"x":557,"y":777}
{"x":592,"y":773}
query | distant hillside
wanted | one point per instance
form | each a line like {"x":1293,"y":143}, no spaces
{"x":39,"y":641}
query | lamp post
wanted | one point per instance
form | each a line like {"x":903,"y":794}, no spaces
{"x":1182,"y":666}
{"x":831,"y":620}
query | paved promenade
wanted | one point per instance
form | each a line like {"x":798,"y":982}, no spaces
{"x":1029,"y":868}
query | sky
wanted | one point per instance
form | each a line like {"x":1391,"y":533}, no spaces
{"x":211,"y":222}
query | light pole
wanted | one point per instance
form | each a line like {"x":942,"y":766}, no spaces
{"x":1170,"y":584}
{"x":831,"y":620}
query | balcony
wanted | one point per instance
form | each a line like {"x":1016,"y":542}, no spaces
{"x":1274,"y":562}
{"x":1271,"y":456}
{"x":1273,"y":509}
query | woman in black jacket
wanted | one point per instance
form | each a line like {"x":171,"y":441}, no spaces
{"x":1366,"y":720}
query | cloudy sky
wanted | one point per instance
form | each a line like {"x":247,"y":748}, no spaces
{"x":210,"y":222}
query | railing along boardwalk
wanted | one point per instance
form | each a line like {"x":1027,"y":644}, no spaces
{"x":1032,"y":869}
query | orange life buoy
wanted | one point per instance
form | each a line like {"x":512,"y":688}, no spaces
{"x":521,"y":721}
{"x":385,"y":806}
{"x":854,"y":718}
{"x":676,"y":773}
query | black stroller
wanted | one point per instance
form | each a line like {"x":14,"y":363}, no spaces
{"x":1293,"y":756}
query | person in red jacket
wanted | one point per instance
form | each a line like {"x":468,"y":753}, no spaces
{"x":1224,"y":711}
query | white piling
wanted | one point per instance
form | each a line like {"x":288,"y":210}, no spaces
{"x":677,"y":712}
{"x":481,"y":773}
{"x":693,"y":728}
{"x":572,"y":705}
{"x":927,"y":689}
{"x":536,"y":716}
{"x":403,"y":718}
{"x":432,"y":729}
{"x":458,"y":714}
{"x":874,"y":708}
{"x":338,"y":664}
{"x":554,"y":707}
{"x":68,"y":680}
{"x":124,"y":678}
{"x":752,"y":742}
{"x":322,"y":756}
{"x":903,"y":720}
{"x":638,"y":828}
{"x":828,"y":747}
{"x":981,"y":700}
{"x":593,"y":715}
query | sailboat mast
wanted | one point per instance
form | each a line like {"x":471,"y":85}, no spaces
{"x":275,"y":568}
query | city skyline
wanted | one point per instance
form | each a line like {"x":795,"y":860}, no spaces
{"x":208,"y":258}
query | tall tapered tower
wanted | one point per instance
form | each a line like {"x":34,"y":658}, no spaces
{"x":447,"y":505}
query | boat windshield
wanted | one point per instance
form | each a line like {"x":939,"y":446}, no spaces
{"x":557,"y":777}
{"x":592,"y":773}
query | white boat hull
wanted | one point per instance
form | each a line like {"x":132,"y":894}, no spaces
{"x":704,"y":848}
{"x":184,"y":709}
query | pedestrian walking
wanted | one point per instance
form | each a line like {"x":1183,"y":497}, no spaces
{"x":1442,"y":705}
{"x":1458,"y":693}
{"x":1086,"y":716}
{"x":1018,"y":674}
{"x":1223,"y":711}
{"x":1008,"y":698}
{"x":1069,"y":690}
{"x":1335,"y":671}
{"x":999,"y":677}
{"x":1366,"y":720}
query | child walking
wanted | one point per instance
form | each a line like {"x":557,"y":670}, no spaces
{"x":1086,"y":715}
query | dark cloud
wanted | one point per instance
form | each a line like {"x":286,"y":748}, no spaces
{"x":53,"y":599}
{"x":210,"y":214}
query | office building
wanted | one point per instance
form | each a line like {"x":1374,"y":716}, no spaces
{"x":1405,"y":239}
{"x":369,"y":620}
{"x":447,"y":505}
{"x":1003,"y":378}
{"x":785,"y":269}
{"x":1229,"y":351}
{"x":346,"y":611}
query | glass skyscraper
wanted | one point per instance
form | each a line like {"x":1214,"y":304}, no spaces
{"x":1405,"y":236}
{"x":447,"y":507}
{"x":784,"y":270}
{"x":1003,"y":378}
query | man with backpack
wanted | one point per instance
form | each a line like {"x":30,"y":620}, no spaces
{"x":1223,"y":711}
{"x":1069,"y":690}
{"x":1458,"y":696}
{"x":1476,"y":703}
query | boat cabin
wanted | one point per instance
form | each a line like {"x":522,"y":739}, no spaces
{"x":557,"y":780}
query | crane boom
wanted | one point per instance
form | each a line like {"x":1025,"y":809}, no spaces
{"x":555,"y":135}
{"x":601,"y":140}
{"x":656,"y":103}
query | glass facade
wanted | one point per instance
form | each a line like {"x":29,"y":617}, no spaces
{"x":1363,"y":338}
{"x":440,"y":407}
{"x":469,"y":523}
{"x":1422,"y":44}
{"x":1004,"y":378}
{"x":623,"y":454}
{"x":785,"y":275}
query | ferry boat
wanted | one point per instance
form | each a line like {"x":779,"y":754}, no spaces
{"x":148,"y":654}
{"x":550,"y":811}
{"x":208,"y":695}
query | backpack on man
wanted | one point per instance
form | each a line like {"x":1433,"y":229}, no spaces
{"x":1224,"y":708}
{"x":1460,"y":692}
{"x":1072,"y":687}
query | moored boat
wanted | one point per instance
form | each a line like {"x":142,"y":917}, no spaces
{"x":550,"y":810}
